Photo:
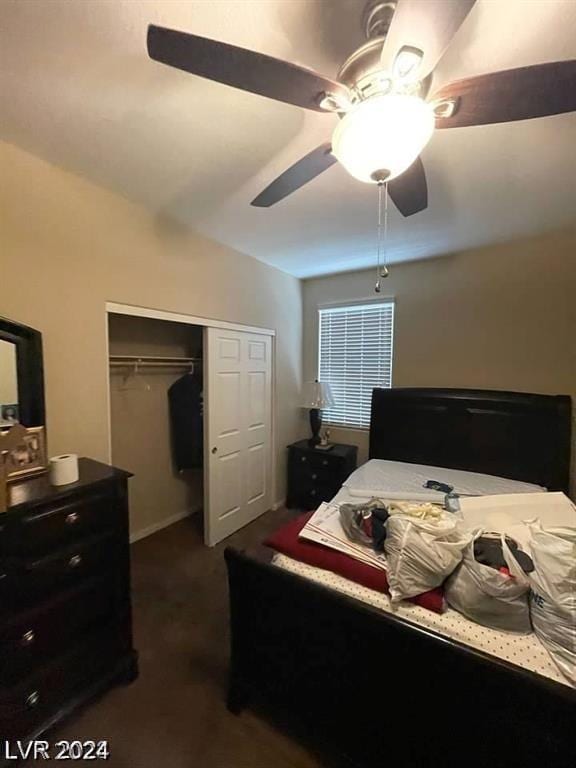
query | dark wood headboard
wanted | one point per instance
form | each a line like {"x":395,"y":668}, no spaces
{"x":509,"y":434}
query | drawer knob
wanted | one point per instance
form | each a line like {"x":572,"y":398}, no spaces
{"x":75,"y":561}
{"x":325,"y":463}
{"x":72,"y":518}
{"x":313,"y":492}
{"x":27,"y":638}
{"x":33,"y":699}
{"x":314,"y":477}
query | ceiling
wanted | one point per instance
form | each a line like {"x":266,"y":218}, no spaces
{"x":78,"y":90}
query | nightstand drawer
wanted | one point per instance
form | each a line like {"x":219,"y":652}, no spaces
{"x":314,"y":475}
{"x":316,"y":460}
{"x":312,"y":496}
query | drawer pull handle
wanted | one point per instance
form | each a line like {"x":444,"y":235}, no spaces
{"x":75,"y":561}
{"x":33,"y":699}
{"x":72,"y":518}
{"x":27,"y":638}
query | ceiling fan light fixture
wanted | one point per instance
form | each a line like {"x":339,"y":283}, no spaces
{"x":407,"y":63}
{"x":381,"y":137}
{"x":334,"y":102}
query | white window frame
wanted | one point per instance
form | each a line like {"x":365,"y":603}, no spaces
{"x":361,"y":303}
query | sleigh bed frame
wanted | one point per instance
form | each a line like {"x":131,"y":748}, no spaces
{"x":364,"y":688}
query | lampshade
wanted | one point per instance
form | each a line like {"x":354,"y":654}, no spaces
{"x":381,"y":137}
{"x":317,"y":394}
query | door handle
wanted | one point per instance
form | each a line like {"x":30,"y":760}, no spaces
{"x":214,"y":450}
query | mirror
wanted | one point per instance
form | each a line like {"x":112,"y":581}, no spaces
{"x":8,"y":384}
{"x":21,"y":376}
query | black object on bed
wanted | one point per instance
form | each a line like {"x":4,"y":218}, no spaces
{"x":366,"y":688}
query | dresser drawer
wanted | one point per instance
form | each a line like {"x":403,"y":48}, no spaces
{"x":68,"y":567}
{"x":65,"y":613}
{"x":30,"y":704}
{"x":3,"y":572}
{"x":61,"y":525}
{"x":36,"y":636}
{"x":6,"y":591}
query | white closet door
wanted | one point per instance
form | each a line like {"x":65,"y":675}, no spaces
{"x":238,"y":429}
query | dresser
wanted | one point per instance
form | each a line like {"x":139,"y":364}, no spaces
{"x":315,"y":475}
{"x":65,"y":611}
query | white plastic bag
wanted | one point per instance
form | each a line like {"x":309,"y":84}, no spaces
{"x":487,"y":596}
{"x":421,"y":553}
{"x":553,"y":598}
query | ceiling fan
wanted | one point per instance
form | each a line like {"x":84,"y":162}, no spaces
{"x":380,"y":94}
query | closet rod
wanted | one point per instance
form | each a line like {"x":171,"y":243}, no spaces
{"x":147,"y":361}
{"x":152,"y":360}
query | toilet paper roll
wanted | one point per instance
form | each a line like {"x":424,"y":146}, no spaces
{"x":64,"y":469}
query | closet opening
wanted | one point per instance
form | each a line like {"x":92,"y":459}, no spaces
{"x":156,"y":418}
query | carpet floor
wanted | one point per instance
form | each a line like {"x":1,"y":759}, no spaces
{"x":174,"y":714}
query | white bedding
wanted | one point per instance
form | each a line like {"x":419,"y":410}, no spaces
{"x":385,"y":478}
{"x":394,"y":479}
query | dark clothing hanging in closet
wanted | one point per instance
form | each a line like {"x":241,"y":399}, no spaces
{"x":186,"y":421}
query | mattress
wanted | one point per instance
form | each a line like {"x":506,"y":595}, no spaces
{"x":395,"y":479}
{"x":523,"y":651}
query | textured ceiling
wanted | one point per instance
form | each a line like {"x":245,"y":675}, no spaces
{"x":78,"y":90}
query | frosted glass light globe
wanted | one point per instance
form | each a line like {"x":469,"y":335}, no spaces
{"x":383,"y":134}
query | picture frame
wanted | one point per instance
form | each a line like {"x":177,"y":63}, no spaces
{"x":9,"y":413}
{"x":29,"y":457}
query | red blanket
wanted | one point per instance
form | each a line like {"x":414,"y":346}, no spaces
{"x":286,"y":541}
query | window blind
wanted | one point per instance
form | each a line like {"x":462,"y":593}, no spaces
{"x":355,"y":355}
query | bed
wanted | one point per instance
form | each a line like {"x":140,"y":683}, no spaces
{"x":363,"y":687}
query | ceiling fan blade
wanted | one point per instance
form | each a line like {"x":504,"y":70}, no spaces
{"x":409,"y":191}
{"x":306,"y":169}
{"x":427,"y":26}
{"x":242,"y":68}
{"x":512,"y":94}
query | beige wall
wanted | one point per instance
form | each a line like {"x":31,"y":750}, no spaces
{"x":141,"y":443}
{"x":502,"y":317}
{"x":68,"y":246}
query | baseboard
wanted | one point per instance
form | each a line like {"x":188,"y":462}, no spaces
{"x":141,"y":534}
{"x":278,"y":504}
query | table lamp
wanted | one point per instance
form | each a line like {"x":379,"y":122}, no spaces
{"x":316,"y":395}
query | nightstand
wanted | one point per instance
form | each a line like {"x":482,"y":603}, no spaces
{"x":315,"y":476}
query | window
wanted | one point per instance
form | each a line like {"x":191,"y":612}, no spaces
{"x":355,"y":355}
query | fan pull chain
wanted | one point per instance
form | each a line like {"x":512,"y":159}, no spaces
{"x":384,"y":272}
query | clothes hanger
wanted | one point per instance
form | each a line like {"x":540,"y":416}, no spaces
{"x":140,"y":383}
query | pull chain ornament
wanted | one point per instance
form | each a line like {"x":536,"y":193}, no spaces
{"x":382,"y":272}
